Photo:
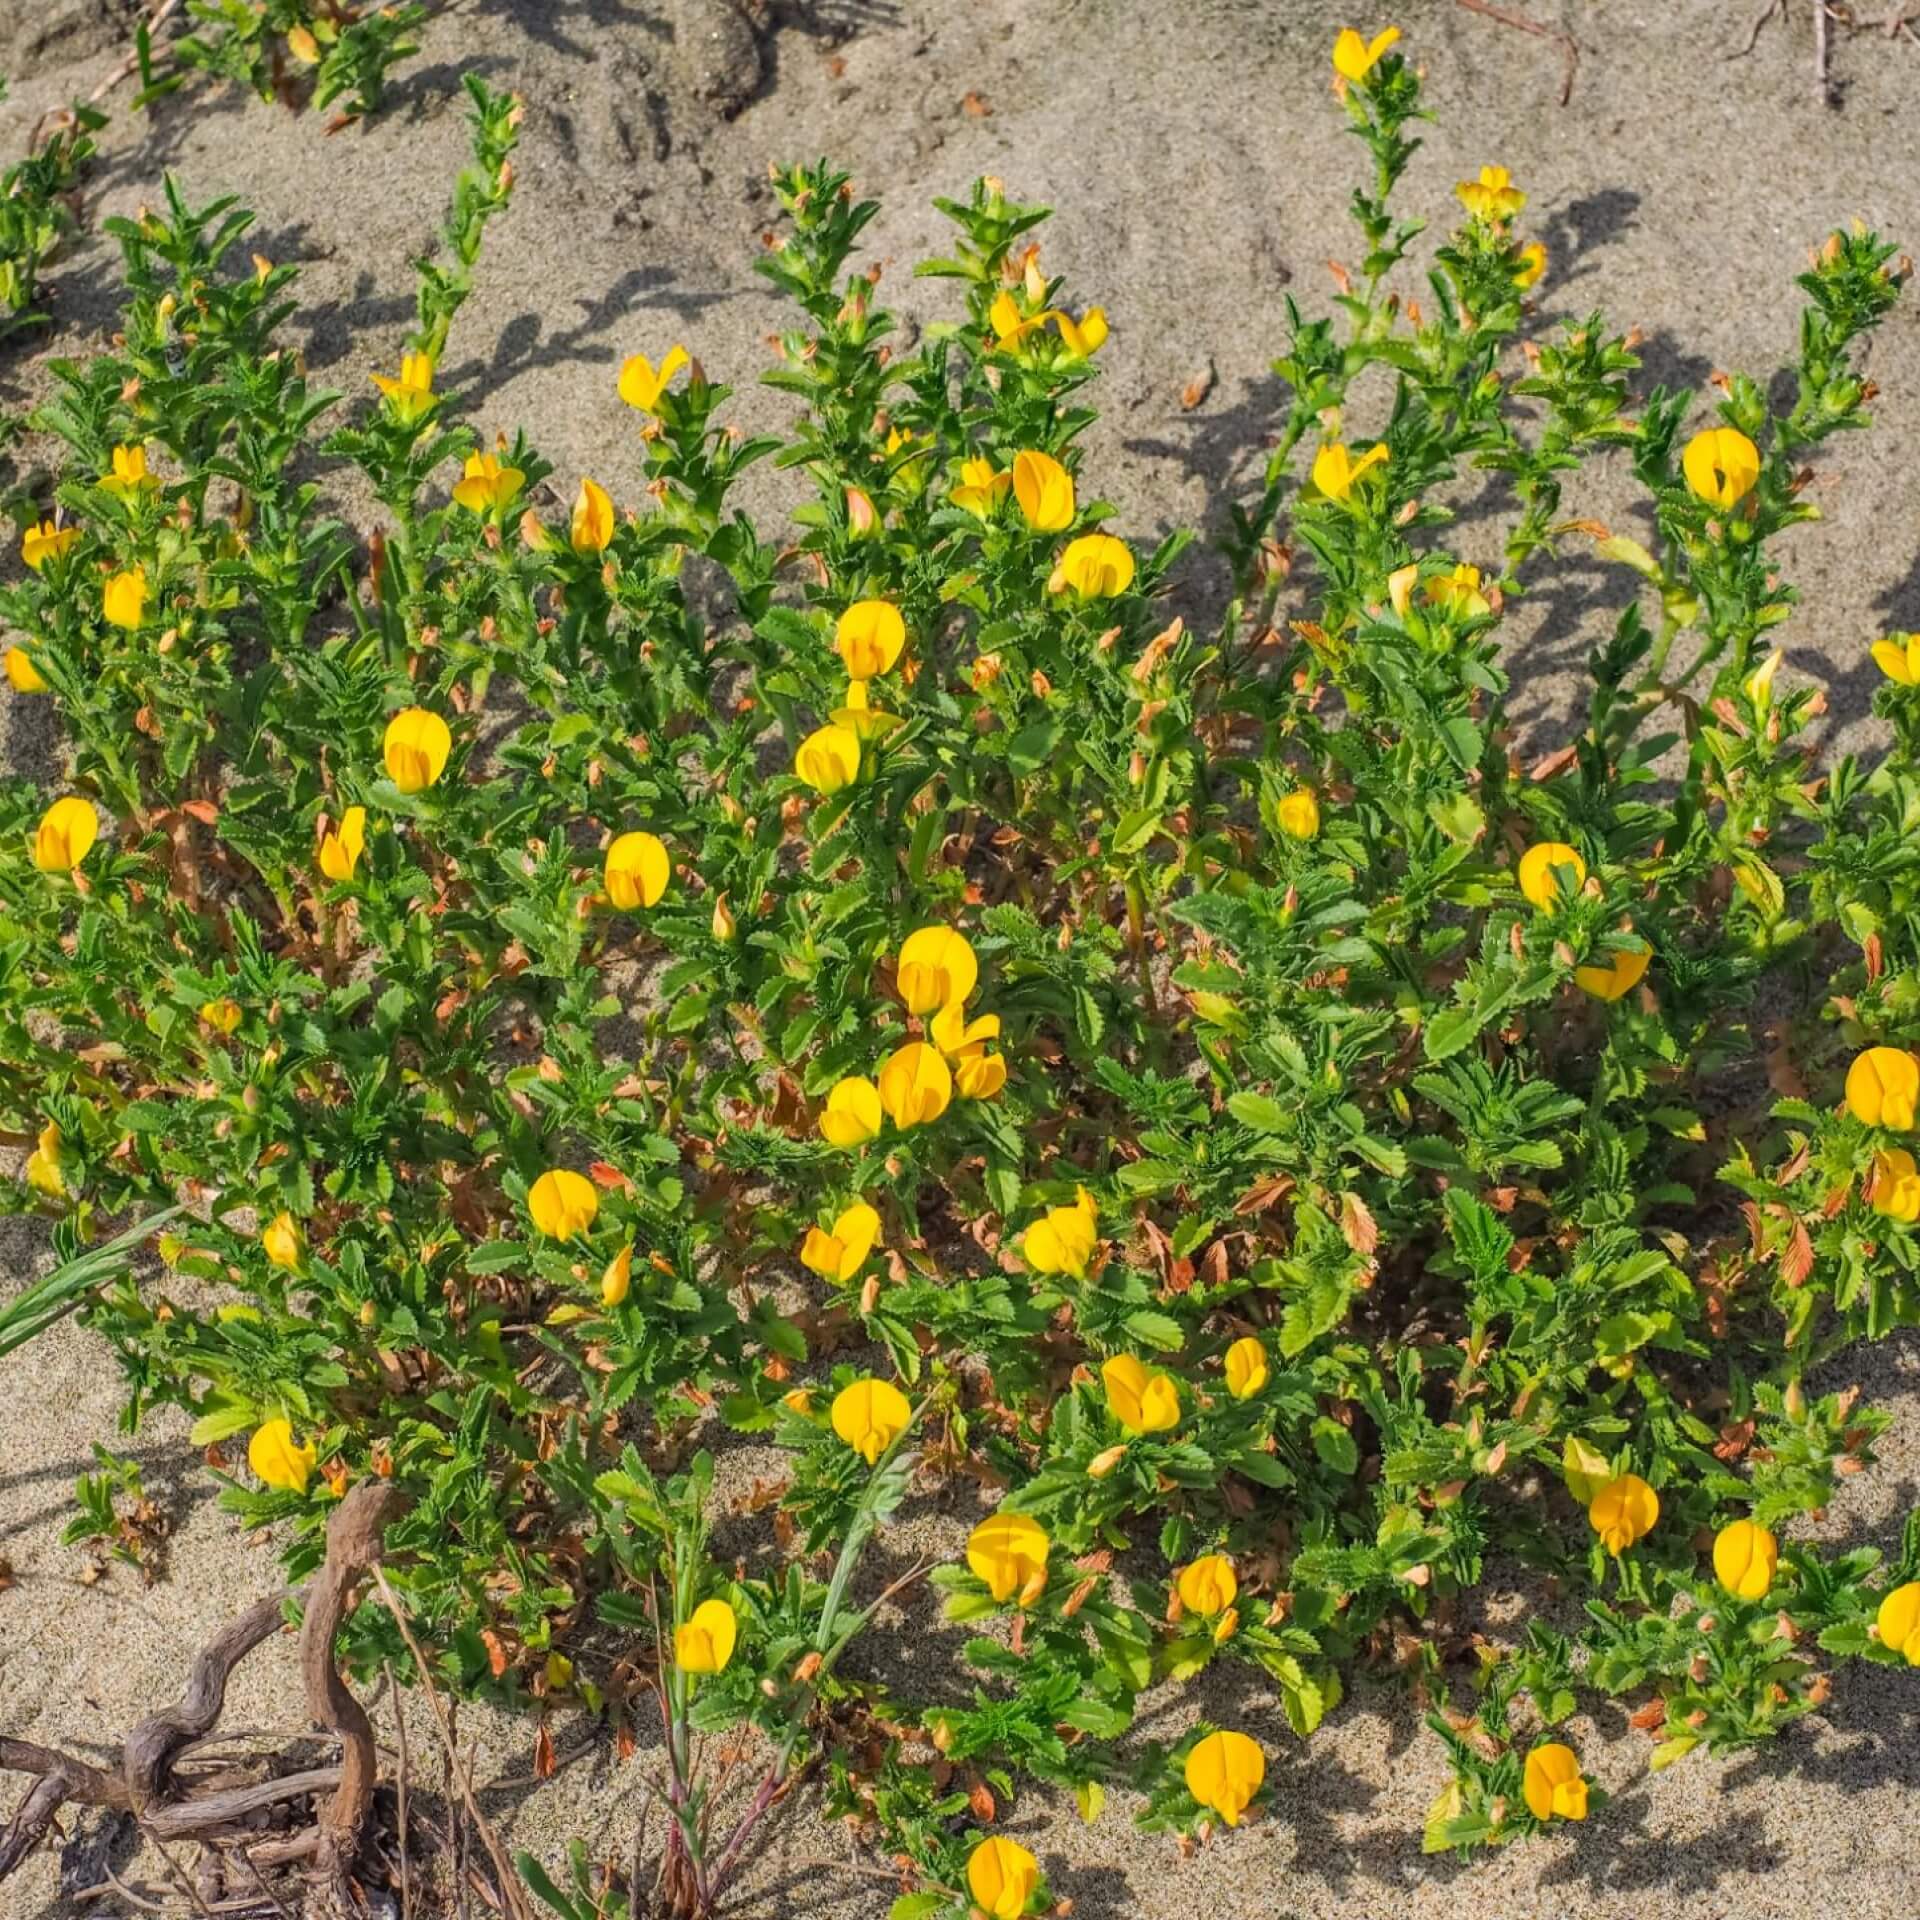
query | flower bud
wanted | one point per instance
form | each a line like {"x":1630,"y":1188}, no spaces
{"x":1103,"y":1464}
{"x":724,"y":924}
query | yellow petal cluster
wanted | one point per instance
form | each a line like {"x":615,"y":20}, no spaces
{"x":869,"y":637}
{"x":829,"y":758}
{"x":1335,"y":469}
{"x":1096,"y":567}
{"x":1246,"y":1367}
{"x":1492,"y":197}
{"x":1142,"y":1399}
{"x":22,"y":675}
{"x":1002,"y":1876}
{"x":637,"y":871}
{"x":1625,"y":968}
{"x":1898,"y":1621}
{"x":1208,"y":1585}
{"x":562,"y":1203}
{"x":1224,"y":1772}
{"x":342,"y":846}
{"x":1721,"y":465}
{"x":1882,"y":1086}
{"x":840,"y":1254}
{"x":916,"y":1085}
{"x":1355,"y":58}
{"x":275,"y":1459}
{"x":592,"y":525}
{"x":1626,"y":1509}
{"x":1552,"y":1783}
{"x":409,"y":396}
{"x":1062,"y":1240}
{"x":1894,"y":1186}
{"x":1044,"y":490}
{"x":642,"y":383}
{"x":65,"y":835}
{"x":1549,"y":867}
{"x":1745,"y":1557}
{"x":416,"y":747}
{"x":1898,"y":657}
{"x":46,"y":540}
{"x":852,"y":1114}
{"x":870,"y":1415}
{"x":1009,"y":1552}
{"x":704,"y":1642}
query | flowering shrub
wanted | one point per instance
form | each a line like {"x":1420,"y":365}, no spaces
{"x":952,"y":1019}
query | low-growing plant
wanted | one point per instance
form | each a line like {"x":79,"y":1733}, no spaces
{"x":942,"y":1015}
{"x":36,"y":210}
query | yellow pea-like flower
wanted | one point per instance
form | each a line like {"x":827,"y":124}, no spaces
{"x":1458,"y":593}
{"x":416,"y":747}
{"x":1355,"y":58}
{"x":869,"y":637}
{"x":410,"y":396}
{"x":977,"y":1074}
{"x":1044,"y":490}
{"x":1626,"y":1509}
{"x":1299,"y":814}
{"x":1002,"y":1876}
{"x":485,"y":486}
{"x":938,"y":968}
{"x":1898,"y":1621}
{"x":1552,"y":1783}
{"x":1062,"y":1240}
{"x":916,"y":1085}
{"x":562,"y":1203}
{"x":1745,"y":1557}
{"x":981,"y":487}
{"x":1491,"y":197}
{"x":123,"y":600}
{"x":342,"y":846}
{"x":128,"y":474}
{"x":1335,"y":470}
{"x":1009,"y":1552}
{"x":852,"y":1114}
{"x":642,"y":383}
{"x":1246,"y":1367}
{"x":46,"y":540}
{"x":870,"y":1415}
{"x":43,"y":1170}
{"x":1894,"y":1186}
{"x":840,"y":1254}
{"x":22,"y":675}
{"x":1882,"y":1086}
{"x":616,"y":1277}
{"x":1208,"y":1585}
{"x":275,"y":1459}
{"x":222,"y":1015}
{"x":1084,"y":337}
{"x":1625,"y":968}
{"x":1530,"y":265}
{"x":829,"y":758}
{"x":65,"y":835}
{"x":637,"y":871}
{"x":1721,"y":465}
{"x":1142,"y":1399}
{"x":1224,"y":1772}
{"x":1096,"y":567}
{"x":592,"y":525}
{"x":705,"y":1642}
{"x":1549,"y":868}
{"x":1898,"y":657}
{"x":282,"y":1242}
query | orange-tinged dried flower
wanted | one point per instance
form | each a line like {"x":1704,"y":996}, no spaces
{"x":123,"y":600}
{"x":341,"y":848}
{"x":1626,"y":1509}
{"x":1721,"y":465}
{"x":1044,"y":490}
{"x":870,"y":1415}
{"x":1002,"y":1876}
{"x":840,"y":1254}
{"x":1096,"y":567}
{"x":1745,"y":1556}
{"x":637,"y":871}
{"x":1208,"y":1585}
{"x":1549,"y":869}
{"x":1882,"y":1086}
{"x":937,"y":969}
{"x":22,"y":675}
{"x":869,"y":637}
{"x":409,"y":397}
{"x":562,"y":1203}
{"x":1626,"y":967}
{"x":416,"y":747}
{"x":642,"y":383}
{"x":1898,"y":1621}
{"x":1224,"y":1772}
{"x":1246,"y":1367}
{"x":1062,"y":1240}
{"x":852,"y":1114}
{"x":1009,"y":1552}
{"x":281,"y":1242}
{"x":1492,"y":197}
{"x":1142,"y":1399}
{"x":65,"y":835}
{"x":1335,"y":469}
{"x":46,"y":540}
{"x":916,"y":1085}
{"x":485,"y":485}
{"x":275,"y":1459}
{"x":829,"y":758}
{"x":1553,"y":1784}
{"x":592,"y":524}
{"x":704,"y":1643}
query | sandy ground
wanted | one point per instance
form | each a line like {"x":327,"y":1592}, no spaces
{"x":1199,"y":171}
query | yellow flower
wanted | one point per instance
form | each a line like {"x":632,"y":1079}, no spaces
{"x":67,"y":831}
{"x":1553,"y":1787}
{"x":1082,"y":338}
{"x":1299,"y":814}
{"x":1529,"y":265}
{"x":1001,"y":1876}
{"x":1335,"y":469}
{"x":341,"y":848}
{"x":1044,"y":489}
{"x":1011,"y":326}
{"x":1493,"y":197}
{"x":704,"y":1644}
{"x":1224,"y":1772}
{"x":981,"y":489}
{"x":23,"y":675}
{"x":1898,"y":657}
{"x":1745,"y":1556}
{"x":276,"y":1460}
{"x":852,"y":1114}
{"x":860,"y":718}
{"x":1354,"y":58}
{"x":1458,"y":593}
{"x":1721,"y":465}
{"x":1626,"y":967}
{"x":915,"y":1085}
{"x":1626,"y":1509}
{"x":869,"y":637}
{"x":637,"y":871}
{"x":409,"y":397}
{"x":592,"y":518}
{"x":281,"y":1241}
{"x":799,"y":1401}
{"x":486,"y":485}
{"x":1899,"y":1621}
{"x":1758,"y":685}
{"x":1882,"y":1086}
{"x":1009,"y":1552}
{"x":841,"y":1254}
{"x":616,"y":1277}
{"x":129,"y":473}
{"x":829,"y":758}
{"x":123,"y":600}
{"x":1208,"y":1585}
{"x":937,"y":969}
{"x":222,"y":1015}
{"x":1096,"y":567}
{"x":1544,"y":871}
{"x":977,"y":1074}
{"x":1142,"y":1401}
{"x":563,"y":1203}
{"x":43,"y":1170}
{"x":641,"y":385}
{"x":1895,"y":1185}
{"x":1062,"y":1240}
{"x":46,"y":541}
{"x":870,"y":1415}
{"x":1247,"y":1369}
{"x":416,"y":747}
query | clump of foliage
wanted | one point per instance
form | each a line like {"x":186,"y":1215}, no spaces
{"x":36,"y":210}
{"x":324,"y":49}
{"x":951,"y":1019}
